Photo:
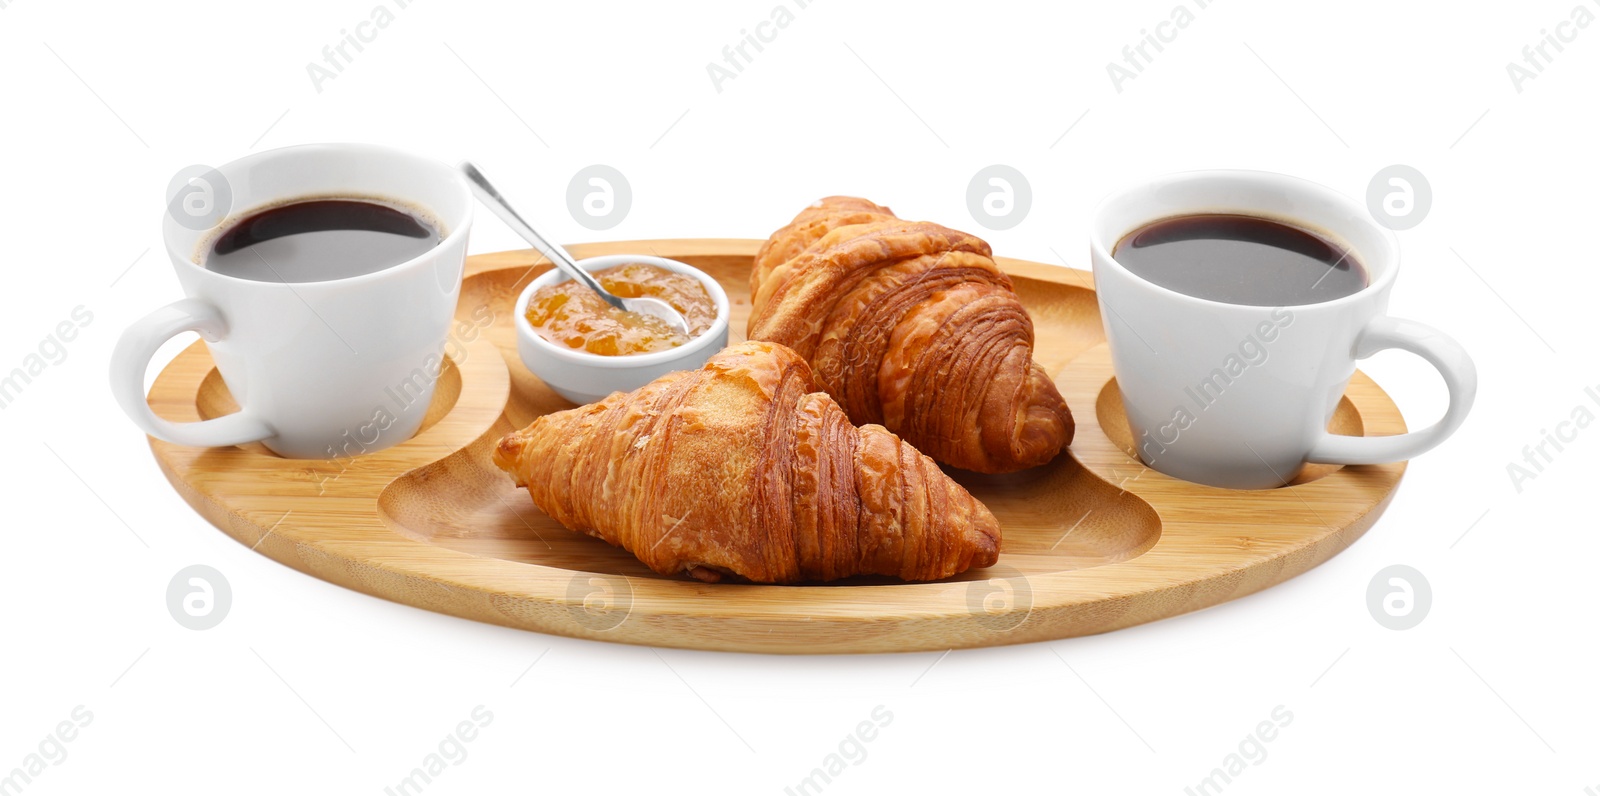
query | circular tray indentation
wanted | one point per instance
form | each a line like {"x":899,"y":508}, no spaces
{"x":1114,"y":420}
{"x":215,"y":400}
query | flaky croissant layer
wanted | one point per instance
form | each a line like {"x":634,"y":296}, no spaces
{"x":912,"y":325}
{"x":743,"y":467}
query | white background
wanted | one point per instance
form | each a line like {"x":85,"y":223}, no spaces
{"x":308,"y":687}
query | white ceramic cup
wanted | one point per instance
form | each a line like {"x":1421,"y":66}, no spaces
{"x":582,"y":377}
{"x":1240,"y":396}
{"x":325,"y":369}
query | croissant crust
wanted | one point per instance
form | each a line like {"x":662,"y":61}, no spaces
{"x":911,"y":325}
{"x":743,"y":467}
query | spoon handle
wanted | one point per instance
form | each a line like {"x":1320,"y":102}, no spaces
{"x":484,"y":190}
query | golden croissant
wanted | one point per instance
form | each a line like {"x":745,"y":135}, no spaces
{"x":911,"y":325}
{"x":744,"y":468}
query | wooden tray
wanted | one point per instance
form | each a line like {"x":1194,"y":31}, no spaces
{"x":1093,"y":542}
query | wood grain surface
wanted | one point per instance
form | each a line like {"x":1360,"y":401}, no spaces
{"x":1093,"y":542}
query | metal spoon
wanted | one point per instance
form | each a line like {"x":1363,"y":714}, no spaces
{"x":655,"y":308}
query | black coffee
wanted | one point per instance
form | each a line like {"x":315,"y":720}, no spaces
{"x":1240,"y":259}
{"x":319,"y":239}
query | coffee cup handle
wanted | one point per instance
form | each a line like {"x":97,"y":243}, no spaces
{"x":132,"y":356}
{"x":1445,"y":354}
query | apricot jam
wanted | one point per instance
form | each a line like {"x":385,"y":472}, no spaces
{"x":569,"y":314}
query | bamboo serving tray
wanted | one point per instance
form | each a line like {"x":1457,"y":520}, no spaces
{"x":1094,"y":541}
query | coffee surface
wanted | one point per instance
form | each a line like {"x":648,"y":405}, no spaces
{"x":319,"y":239}
{"x":1240,"y":259}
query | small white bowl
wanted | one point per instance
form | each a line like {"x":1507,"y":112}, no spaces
{"x":582,"y":377}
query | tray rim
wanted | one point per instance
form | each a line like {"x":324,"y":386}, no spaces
{"x":369,"y":556}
